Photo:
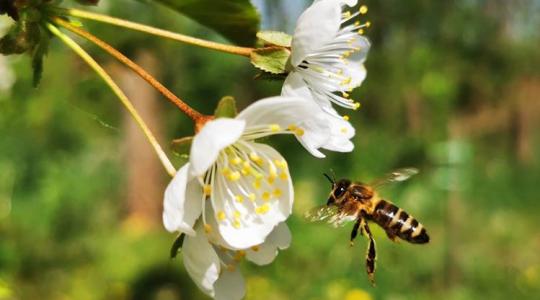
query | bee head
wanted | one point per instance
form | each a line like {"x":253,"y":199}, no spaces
{"x":338,"y":188}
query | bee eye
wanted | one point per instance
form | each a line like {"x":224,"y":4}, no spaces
{"x":339,"y":192}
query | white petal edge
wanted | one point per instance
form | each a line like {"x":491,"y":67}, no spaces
{"x":230,"y":286}
{"x":279,"y":239}
{"x":317,"y":26}
{"x":181,"y":205}
{"x":285,"y":111}
{"x":201,"y":262}
{"x":213,"y":137}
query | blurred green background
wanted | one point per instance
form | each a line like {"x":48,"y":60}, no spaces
{"x":453,"y":88}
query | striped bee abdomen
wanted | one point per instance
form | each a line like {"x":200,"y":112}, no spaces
{"x":398,"y":223}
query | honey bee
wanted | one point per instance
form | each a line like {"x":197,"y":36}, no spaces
{"x":355,"y":201}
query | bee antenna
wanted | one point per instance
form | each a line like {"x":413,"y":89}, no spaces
{"x":332,"y":181}
{"x":333,"y":175}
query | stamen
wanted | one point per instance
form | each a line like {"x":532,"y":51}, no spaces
{"x":299,"y":132}
{"x":207,"y":228}
{"x":252,"y":197}
{"x":363,"y":9}
{"x":234,"y":176}
{"x":275,"y":127}
{"x":207,"y":190}
{"x":239,"y":198}
{"x":277,"y":193}
{"x":346,"y":118}
{"x":221,"y":216}
{"x":255,"y":248}
{"x":266,"y":196}
{"x":263,"y":209}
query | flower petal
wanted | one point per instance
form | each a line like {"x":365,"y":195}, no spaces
{"x":201,"y":261}
{"x":249,"y":207}
{"x":214,"y":137}
{"x":181,"y":206}
{"x":295,"y":86}
{"x":287,"y":112}
{"x":317,"y":26}
{"x":341,"y":133}
{"x":279,"y":239}
{"x":230,"y":286}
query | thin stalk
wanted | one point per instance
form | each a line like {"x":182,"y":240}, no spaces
{"x":243,"y":51}
{"x":118,"y":92}
{"x":196,"y":116}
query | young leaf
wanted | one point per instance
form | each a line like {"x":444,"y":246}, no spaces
{"x":177,"y":244}
{"x":276,"y":38}
{"x":237,"y":20}
{"x":272,"y":60}
{"x":226,"y":108}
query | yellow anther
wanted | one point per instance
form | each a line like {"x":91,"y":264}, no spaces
{"x":252,"y":197}
{"x":357,"y":23}
{"x":261,"y":210}
{"x":282,"y":164}
{"x":221,"y":216}
{"x":207,"y":190}
{"x":275,"y":127}
{"x":226,"y":171}
{"x":256,"y":158}
{"x":346,"y":81}
{"x":207,"y":228}
{"x":277,"y":193}
{"x":343,"y":130}
{"x":346,"y":54}
{"x":255,"y":248}
{"x":236,"y":224}
{"x":236,"y":161}
{"x":299,"y":132}
{"x":291,"y":127}
{"x":345,"y":94}
{"x":256,"y":174}
{"x":363,"y":9}
{"x":266,"y":196}
{"x":346,"y":118}
{"x":257,"y":183}
{"x":346,"y":14}
{"x":360,"y":31}
{"x":283,"y":176}
{"x":237,"y":214}
{"x":239,"y":255}
{"x":239,"y":198}
{"x":271,"y":179}
{"x":234,"y":176}
{"x":356,"y":105}
{"x":368,"y":24}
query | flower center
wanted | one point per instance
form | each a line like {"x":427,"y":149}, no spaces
{"x":247,"y":182}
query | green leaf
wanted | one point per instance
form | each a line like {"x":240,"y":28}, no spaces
{"x":226,"y":108}
{"x":237,"y":20}
{"x":276,"y":38}
{"x":182,"y":146}
{"x":272,"y":60}
{"x":178,"y":242}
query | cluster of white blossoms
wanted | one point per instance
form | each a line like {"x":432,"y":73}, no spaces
{"x":233,"y":196}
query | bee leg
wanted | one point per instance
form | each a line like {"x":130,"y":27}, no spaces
{"x":354,"y":231}
{"x":371,"y":255}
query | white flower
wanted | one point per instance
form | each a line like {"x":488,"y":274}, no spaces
{"x":7,"y":77}
{"x":247,"y":184}
{"x":328,"y":53}
{"x":214,"y":269}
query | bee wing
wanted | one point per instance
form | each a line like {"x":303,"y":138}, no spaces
{"x":321,"y":213}
{"x":329,"y":213}
{"x":395,"y":176}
